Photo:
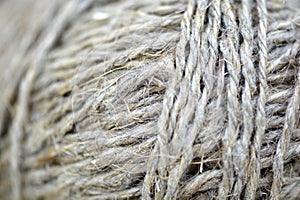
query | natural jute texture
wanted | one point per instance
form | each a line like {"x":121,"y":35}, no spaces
{"x":149,"y":99}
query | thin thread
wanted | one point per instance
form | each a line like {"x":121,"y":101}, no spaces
{"x":228,"y":47}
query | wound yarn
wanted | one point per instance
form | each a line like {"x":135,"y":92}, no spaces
{"x":166,"y":99}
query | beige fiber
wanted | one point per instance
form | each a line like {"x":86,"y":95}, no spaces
{"x":149,"y":99}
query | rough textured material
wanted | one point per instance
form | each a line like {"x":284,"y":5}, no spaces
{"x":149,"y":99}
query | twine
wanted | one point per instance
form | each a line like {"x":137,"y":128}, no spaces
{"x":168,"y":99}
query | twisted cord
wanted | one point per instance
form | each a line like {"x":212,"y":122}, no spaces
{"x":228,"y":47}
{"x":248,"y":95}
{"x":290,"y":124}
{"x":260,"y":119}
{"x":17,"y":132}
{"x":183,"y":114}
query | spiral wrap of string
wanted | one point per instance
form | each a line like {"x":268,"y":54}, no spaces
{"x":170,"y":99}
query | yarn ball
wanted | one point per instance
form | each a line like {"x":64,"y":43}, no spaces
{"x":151,"y":99}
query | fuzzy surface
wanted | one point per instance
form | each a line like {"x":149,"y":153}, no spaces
{"x":149,"y":99}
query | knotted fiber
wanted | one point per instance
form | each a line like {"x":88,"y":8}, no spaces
{"x":152,"y":99}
